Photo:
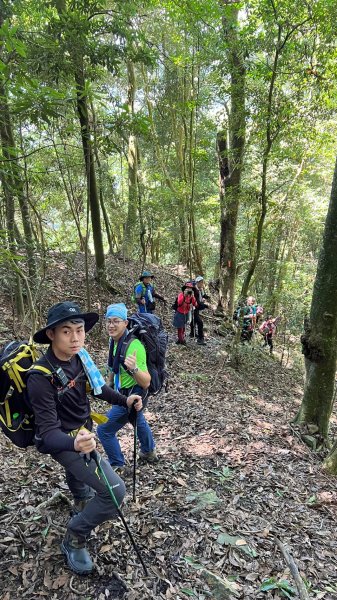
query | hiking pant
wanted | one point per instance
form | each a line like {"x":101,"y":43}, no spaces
{"x":143,"y":309}
{"x":118,"y":417}
{"x":181,"y":334}
{"x":247,"y":331}
{"x":197,"y":322}
{"x":82,"y":478}
{"x":268,"y":341}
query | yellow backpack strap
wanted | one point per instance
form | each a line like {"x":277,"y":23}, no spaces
{"x":99,"y":418}
{"x":14,"y":370}
{"x":41,"y":368}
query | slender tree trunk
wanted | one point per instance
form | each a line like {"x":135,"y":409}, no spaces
{"x":100,"y":184}
{"x":131,"y":221}
{"x":14,"y":179}
{"x":93,"y":199}
{"x":72,"y":204}
{"x":319,"y":340}
{"x":230,"y":161}
{"x":178,"y":195}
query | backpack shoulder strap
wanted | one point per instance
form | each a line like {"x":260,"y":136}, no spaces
{"x":40,"y":368}
{"x":124,"y":348}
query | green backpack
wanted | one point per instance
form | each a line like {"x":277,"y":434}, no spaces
{"x":133,"y":296}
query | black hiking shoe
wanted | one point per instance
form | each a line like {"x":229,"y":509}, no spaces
{"x":123,"y":470}
{"x":150,"y":457}
{"x":201,"y":342}
{"x":78,"y":557}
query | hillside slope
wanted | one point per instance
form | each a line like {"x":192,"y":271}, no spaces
{"x":232,"y":477}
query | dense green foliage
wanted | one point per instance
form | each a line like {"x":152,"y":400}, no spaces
{"x":55,"y":55}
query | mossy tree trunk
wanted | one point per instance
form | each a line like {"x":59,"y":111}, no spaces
{"x":231,"y":159}
{"x":319,"y":340}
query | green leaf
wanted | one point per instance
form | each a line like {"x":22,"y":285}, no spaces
{"x":188,"y":592}
{"x":236,"y":542}
{"x":269,"y":584}
{"x":45,"y":531}
{"x":203,"y":499}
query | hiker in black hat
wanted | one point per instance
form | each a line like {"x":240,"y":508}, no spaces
{"x":144,"y":293}
{"x":64,"y":426}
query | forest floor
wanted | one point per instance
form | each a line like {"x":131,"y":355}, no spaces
{"x":233,"y":477}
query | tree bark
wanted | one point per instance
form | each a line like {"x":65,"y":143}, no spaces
{"x":230,"y":153}
{"x":93,"y":199}
{"x":319,"y":341}
{"x":14,"y":179}
{"x":131,"y":221}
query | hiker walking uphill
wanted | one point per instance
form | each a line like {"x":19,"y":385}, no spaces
{"x":144,"y":293}
{"x":183,"y":304}
{"x":249,"y":319}
{"x":196,"y":320}
{"x":128,"y":376}
{"x":63,"y":423}
{"x":267,"y":330}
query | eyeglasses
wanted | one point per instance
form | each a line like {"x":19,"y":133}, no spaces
{"x":113,"y":321}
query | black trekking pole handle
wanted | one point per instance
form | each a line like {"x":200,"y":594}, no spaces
{"x":96,"y":458}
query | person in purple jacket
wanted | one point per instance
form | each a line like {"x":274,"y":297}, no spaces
{"x":64,"y":426}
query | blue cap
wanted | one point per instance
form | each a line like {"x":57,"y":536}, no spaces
{"x":117,"y":310}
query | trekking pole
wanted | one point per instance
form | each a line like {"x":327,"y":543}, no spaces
{"x":97,"y":460}
{"x":134,"y":461}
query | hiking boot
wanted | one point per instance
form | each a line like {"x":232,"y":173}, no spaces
{"x":201,"y":342}
{"x":150,"y":457}
{"x":123,"y":470}
{"x":80,"y":504}
{"x":78,"y":557}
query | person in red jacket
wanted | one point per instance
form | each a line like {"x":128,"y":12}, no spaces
{"x":185,"y":301}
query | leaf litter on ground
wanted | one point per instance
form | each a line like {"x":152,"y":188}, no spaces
{"x":226,"y":450}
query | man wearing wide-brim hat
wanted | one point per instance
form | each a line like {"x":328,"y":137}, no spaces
{"x":144,"y":293}
{"x":64,"y":426}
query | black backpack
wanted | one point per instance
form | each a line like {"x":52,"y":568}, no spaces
{"x":16,"y":415}
{"x":148,"y":329}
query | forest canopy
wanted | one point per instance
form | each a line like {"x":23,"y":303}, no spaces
{"x":199,"y":133}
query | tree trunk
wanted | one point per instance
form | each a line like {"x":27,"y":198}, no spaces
{"x":319,"y":340}
{"x":131,"y":221}
{"x":100,"y":183}
{"x":93,"y":199}
{"x":230,"y":160}
{"x":14,"y":179}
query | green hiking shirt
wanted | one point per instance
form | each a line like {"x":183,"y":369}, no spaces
{"x":126,"y":380}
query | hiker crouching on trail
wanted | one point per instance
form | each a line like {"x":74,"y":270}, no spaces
{"x":129,"y":377}
{"x":185,"y":302}
{"x":144,"y":293}
{"x":63,"y":424}
{"x":196,"y":320}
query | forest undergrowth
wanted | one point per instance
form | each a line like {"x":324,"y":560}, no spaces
{"x":233,"y":477}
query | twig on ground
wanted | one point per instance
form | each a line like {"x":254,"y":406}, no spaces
{"x":302,"y":591}
{"x":75,"y":590}
{"x":57,"y":496}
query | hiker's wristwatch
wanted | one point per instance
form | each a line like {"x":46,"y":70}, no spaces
{"x":133,"y":371}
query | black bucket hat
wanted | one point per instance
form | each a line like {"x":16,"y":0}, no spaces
{"x":64,"y":311}
{"x":146,"y":274}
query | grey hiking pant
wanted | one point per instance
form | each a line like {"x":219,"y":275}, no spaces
{"x":83,"y":477}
